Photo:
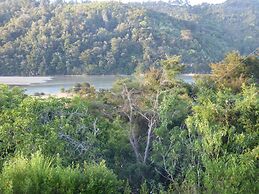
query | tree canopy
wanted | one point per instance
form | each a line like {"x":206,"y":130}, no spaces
{"x":43,"y":38}
{"x":151,"y":133}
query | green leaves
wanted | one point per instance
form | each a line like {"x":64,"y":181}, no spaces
{"x":172,"y":67}
{"x":41,"y":174}
{"x":53,"y":125}
{"x":227,"y":128}
{"x":109,"y":38}
{"x":231,"y":174}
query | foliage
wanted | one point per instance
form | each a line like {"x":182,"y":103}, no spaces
{"x":60,"y":38}
{"x":40,"y":174}
{"x":227,"y":127}
{"x":55,"y":126}
{"x":156,"y":133}
{"x":234,"y":71}
{"x":172,"y":146}
{"x":172,"y":67}
{"x":231,"y":73}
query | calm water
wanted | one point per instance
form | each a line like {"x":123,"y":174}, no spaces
{"x":53,"y":85}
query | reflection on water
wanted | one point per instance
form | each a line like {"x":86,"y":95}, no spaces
{"x":53,"y":85}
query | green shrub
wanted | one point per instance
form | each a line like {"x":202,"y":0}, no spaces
{"x":40,"y":174}
{"x":231,"y":174}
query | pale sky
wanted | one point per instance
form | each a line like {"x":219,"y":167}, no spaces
{"x":195,"y":2}
{"x":192,"y":2}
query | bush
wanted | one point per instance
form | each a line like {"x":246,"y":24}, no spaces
{"x":232,"y":174}
{"x":40,"y":174}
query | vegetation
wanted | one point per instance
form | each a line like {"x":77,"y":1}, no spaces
{"x":39,"y":174}
{"x":43,"y":38}
{"x":149,"y":134}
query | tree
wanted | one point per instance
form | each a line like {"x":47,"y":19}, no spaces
{"x":43,"y":37}
{"x":44,"y":3}
{"x":252,"y":65}
{"x":231,"y":72}
{"x":172,"y":67}
{"x":227,"y":127}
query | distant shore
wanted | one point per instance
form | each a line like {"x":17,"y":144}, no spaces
{"x":30,"y":80}
{"x":23,"y":81}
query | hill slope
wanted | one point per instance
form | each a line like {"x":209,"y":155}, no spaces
{"x":107,"y":38}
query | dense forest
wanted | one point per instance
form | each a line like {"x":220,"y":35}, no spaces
{"x":150,"y":133}
{"x":64,"y":37}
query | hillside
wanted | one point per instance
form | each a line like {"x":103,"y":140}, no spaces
{"x":109,"y":38}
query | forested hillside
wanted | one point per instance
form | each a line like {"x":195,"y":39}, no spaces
{"x":42,"y":38}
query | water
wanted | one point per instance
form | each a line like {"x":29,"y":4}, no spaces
{"x":53,"y":85}
{"x":188,"y":78}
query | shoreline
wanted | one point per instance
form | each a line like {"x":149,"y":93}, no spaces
{"x":57,"y":95}
{"x":20,"y":80}
{"x":31,"y":80}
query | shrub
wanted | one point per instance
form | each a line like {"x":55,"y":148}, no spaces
{"x":40,"y":174}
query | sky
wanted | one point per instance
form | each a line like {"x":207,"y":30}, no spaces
{"x":192,"y":2}
{"x":195,"y":2}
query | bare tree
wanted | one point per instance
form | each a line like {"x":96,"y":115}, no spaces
{"x":132,"y":109}
{"x":128,"y":111}
{"x":151,"y":116}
